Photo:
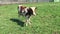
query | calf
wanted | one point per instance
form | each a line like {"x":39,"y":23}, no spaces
{"x":27,"y":12}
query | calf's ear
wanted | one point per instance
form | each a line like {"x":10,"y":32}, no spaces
{"x":24,"y":7}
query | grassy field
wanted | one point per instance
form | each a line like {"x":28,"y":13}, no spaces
{"x":47,"y":20}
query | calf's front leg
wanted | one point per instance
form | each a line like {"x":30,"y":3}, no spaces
{"x":28,"y":21}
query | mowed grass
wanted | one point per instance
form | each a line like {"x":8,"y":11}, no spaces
{"x":47,"y":20}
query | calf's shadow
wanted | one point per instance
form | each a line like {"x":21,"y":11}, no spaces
{"x":19,"y":22}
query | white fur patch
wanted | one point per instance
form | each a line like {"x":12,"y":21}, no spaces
{"x":33,"y":8}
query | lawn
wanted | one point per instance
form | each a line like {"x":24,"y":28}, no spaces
{"x":47,"y":20}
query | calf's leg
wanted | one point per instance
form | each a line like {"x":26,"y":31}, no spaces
{"x":28,"y":20}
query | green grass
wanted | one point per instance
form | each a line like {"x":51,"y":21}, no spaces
{"x":47,"y":20}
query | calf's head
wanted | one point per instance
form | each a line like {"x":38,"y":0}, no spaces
{"x":21,"y":7}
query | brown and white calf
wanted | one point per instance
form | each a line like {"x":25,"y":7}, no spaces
{"x":27,"y":12}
